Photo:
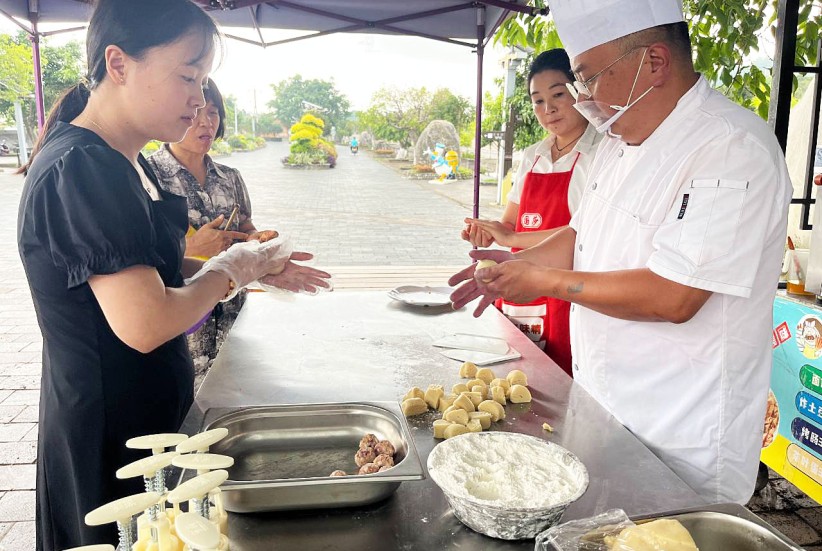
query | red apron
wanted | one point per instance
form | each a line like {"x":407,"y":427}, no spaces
{"x":544,"y":205}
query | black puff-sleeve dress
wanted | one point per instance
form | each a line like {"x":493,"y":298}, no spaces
{"x":83,"y":212}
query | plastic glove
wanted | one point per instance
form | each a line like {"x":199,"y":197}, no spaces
{"x":297,"y":278}
{"x":246,"y":262}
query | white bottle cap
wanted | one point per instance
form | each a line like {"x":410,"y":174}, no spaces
{"x":122,"y":509}
{"x":197,"y":532}
{"x":197,"y":487}
{"x":200,"y":442}
{"x":146,"y":466}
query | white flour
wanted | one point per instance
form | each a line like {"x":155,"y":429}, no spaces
{"x":503,"y":473}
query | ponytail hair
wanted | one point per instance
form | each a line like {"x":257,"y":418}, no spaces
{"x":135,"y":27}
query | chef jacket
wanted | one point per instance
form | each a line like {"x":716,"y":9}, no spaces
{"x":702,"y":202}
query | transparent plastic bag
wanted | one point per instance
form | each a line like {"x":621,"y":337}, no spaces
{"x":587,"y":534}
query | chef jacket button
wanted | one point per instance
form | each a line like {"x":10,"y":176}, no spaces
{"x":576,"y":367}
{"x":620,"y":153}
{"x":580,"y":246}
{"x":573,"y":307}
{"x":594,"y":186}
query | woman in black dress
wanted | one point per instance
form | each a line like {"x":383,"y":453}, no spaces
{"x":102,"y":246}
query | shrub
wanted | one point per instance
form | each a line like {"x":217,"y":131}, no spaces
{"x":259,"y":141}
{"x":220,"y":147}
{"x":238,"y":141}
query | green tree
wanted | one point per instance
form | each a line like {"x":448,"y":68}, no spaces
{"x":725,"y":34}
{"x":290,"y":94}
{"x":398,"y":115}
{"x":447,"y":106}
{"x":243,"y":117}
{"x":267,"y":123}
{"x":62,"y":66}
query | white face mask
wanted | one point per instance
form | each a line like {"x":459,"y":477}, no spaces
{"x":602,"y":115}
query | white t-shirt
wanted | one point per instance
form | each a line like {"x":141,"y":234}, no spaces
{"x":702,"y":202}
{"x":586,"y":147}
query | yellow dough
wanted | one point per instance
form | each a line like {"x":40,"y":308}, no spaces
{"x":446,"y":402}
{"x":517,"y":377}
{"x":485,"y":375}
{"x":519,"y":394}
{"x":433,"y":395}
{"x":485,"y":263}
{"x":464,"y":402}
{"x":468,"y":370}
{"x":415,"y":392}
{"x":657,"y":535}
{"x":498,"y":394}
{"x":414,"y":406}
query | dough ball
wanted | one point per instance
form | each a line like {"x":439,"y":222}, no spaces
{"x":520,"y":394}
{"x":485,"y":375}
{"x":485,"y":263}
{"x":364,"y":456}
{"x":468,"y":370}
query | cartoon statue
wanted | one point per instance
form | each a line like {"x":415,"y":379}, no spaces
{"x":809,"y":338}
{"x":453,"y":160}
{"x":439,"y":163}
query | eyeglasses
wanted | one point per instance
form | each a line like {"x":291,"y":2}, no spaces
{"x":580,"y":88}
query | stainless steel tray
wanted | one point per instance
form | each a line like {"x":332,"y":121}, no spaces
{"x":729,"y":526}
{"x":283,"y":455}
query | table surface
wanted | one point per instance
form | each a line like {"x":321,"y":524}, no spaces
{"x":362,"y":346}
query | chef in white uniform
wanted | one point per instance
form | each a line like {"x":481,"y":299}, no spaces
{"x":672,"y":259}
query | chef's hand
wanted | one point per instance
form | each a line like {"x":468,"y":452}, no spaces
{"x":817,"y":179}
{"x":246,"y":262}
{"x":210,"y":240}
{"x":499,"y":233}
{"x":474,"y":288}
{"x":475,"y":235}
{"x":298,"y":278}
{"x":515,"y":281}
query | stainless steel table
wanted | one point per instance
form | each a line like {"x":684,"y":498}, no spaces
{"x":350,"y":346}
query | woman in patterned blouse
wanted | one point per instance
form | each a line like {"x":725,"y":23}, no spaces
{"x":213,"y":190}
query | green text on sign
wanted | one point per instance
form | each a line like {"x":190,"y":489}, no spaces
{"x":811,"y":378}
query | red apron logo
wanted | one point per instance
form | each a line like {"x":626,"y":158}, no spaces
{"x":531,"y":220}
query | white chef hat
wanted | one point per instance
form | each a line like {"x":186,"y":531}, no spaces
{"x":585,"y":24}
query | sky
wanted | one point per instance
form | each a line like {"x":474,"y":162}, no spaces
{"x":358,"y":64}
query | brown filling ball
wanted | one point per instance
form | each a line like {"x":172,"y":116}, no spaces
{"x":364,"y":456}
{"x":384,"y":447}
{"x":338,"y":473}
{"x":369,"y":441}
{"x":384,"y":460}
{"x":368,"y":468}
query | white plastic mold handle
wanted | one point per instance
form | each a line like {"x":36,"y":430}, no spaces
{"x":157,"y":443}
{"x":99,"y":547}
{"x":122,"y":509}
{"x":203,"y":461}
{"x":197,"y":487}
{"x":197,"y":532}
{"x":146,"y":466}
{"x":200,"y":442}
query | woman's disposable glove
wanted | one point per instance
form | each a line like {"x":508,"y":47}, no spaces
{"x":246,"y":262}
{"x":297,"y":278}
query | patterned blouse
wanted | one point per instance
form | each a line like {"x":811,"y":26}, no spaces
{"x":224,"y":187}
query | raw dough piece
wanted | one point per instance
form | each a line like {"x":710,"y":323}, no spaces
{"x":433,"y":395}
{"x":459,"y":388}
{"x":414,"y":406}
{"x":485,"y":263}
{"x":446,"y":402}
{"x":517,"y":377}
{"x":455,"y":430}
{"x":475,"y":397}
{"x":546,"y":426}
{"x":485,"y":375}
{"x":498,"y":394}
{"x":459,"y":416}
{"x":483,"y":417}
{"x":520,"y":394}
{"x":667,"y":534}
{"x":468,"y":370}
{"x":439,"y":427}
{"x":476,"y":382}
{"x":494,"y":408}
{"x":474,"y":425}
{"x":479,"y":389}
{"x":415,"y":392}
{"x":503,"y":383}
{"x":464,"y":402}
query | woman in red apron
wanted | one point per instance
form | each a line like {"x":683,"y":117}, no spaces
{"x":547,"y":189}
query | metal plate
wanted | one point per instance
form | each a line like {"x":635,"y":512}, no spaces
{"x":730,"y":526}
{"x":283,"y":455}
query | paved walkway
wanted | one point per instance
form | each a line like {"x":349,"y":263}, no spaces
{"x":360,"y":213}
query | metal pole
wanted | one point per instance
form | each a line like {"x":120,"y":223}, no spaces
{"x":38,"y":78}
{"x":254,"y":116}
{"x":236,"y":119}
{"x":22,"y":147}
{"x":779,"y":111}
{"x":478,"y":129}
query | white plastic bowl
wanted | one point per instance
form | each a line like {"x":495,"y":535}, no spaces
{"x":501,"y":521}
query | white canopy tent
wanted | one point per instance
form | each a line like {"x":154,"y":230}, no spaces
{"x":466,"y":23}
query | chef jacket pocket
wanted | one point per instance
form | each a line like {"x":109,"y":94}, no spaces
{"x":710,"y":213}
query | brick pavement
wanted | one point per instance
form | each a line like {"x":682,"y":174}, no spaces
{"x":360,"y":213}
